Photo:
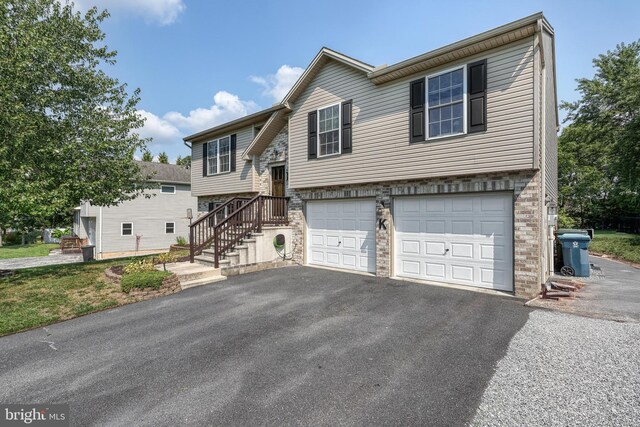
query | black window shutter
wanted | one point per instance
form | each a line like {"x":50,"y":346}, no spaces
{"x":477,"y":110}
{"x":417,"y":117}
{"x":204,"y":159}
{"x":233,"y":153}
{"x":346,"y":126}
{"x":313,"y":135}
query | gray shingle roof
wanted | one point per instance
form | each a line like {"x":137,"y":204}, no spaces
{"x":161,"y":172}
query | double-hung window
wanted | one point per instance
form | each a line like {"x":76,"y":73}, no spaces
{"x":169,"y":227}
{"x":219,"y":155}
{"x":445,"y":102}
{"x":329,"y":130}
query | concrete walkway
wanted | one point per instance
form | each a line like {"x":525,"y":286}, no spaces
{"x":17,"y":263}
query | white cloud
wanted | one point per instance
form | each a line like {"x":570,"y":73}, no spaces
{"x":277,"y":85}
{"x":163,"y":12}
{"x":226,"y":107}
{"x":167,"y":131}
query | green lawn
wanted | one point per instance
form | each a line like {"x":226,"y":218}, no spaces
{"x":620,"y":245}
{"x":25,"y":251}
{"x":43,"y":295}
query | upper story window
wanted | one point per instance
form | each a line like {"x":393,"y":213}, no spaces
{"x":219,"y":155}
{"x":168,"y":189}
{"x":329,"y":130}
{"x":445,"y":103}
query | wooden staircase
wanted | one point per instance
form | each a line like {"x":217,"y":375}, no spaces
{"x":226,"y":236}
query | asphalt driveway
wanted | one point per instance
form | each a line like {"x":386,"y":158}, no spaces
{"x":292,"y":346}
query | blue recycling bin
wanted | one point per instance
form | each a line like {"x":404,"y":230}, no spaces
{"x":575,"y":254}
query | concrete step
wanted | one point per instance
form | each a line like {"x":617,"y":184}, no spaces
{"x":209,"y":261}
{"x":193,"y":274}
{"x":200,"y":282}
{"x":233,"y":257}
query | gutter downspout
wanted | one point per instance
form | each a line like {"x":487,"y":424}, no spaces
{"x":543,"y":159}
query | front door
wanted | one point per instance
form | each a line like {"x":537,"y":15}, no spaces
{"x":277,"y":181}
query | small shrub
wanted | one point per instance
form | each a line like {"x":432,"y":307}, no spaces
{"x":139,"y":266}
{"x":165,"y":258}
{"x":181,"y":241}
{"x":57,"y":233}
{"x":143,"y":279}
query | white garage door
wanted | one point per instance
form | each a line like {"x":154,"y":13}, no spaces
{"x":342,"y":234}
{"x":465,"y":239}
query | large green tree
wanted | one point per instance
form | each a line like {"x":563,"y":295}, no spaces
{"x":67,"y":129}
{"x":599,"y":151}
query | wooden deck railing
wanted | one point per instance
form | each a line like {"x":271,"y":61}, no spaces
{"x":249,"y":217}
{"x":201,"y":231}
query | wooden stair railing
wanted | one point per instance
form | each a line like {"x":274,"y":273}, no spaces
{"x":248,"y":218}
{"x":201,"y":231}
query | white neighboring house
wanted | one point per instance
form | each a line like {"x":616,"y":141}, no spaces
{"x":143,"y":225}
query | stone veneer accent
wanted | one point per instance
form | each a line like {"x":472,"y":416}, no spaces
{"x":527,"y":215}
{"x":275,"y":154}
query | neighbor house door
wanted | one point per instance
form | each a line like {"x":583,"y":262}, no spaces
{"x":91,"y":232}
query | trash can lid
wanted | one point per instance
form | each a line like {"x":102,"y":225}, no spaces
{"x":571,"y":231}
{"x":89,"y":246}
{"x":574,"y":236}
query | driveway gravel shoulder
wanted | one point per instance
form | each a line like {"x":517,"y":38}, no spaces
{"x":563,"y":370}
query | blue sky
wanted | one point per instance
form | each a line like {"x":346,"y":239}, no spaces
{"x":200,"y":63}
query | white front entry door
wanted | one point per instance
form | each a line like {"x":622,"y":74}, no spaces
{"x":341,"y":234}
{"x":462,"y":239}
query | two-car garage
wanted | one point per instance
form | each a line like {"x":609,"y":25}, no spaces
{"x":460,"y":239}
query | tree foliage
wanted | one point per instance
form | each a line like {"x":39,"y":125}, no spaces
{"x":184,"y":161}
{"x":67,"y":129}
{"x":163,"y":158}
{"x":599,"y":151}
{"x":147,"y":156}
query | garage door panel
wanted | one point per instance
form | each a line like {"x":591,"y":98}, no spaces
{"x":462,"y":239}
{"x":435,"y":205}
{"x":410,"y":247}
{"x":462,"y":227}
{"x":436,"y":227}
{"x":317,"y":240}
{"x":462,"y":205}
{"x":494,"y":205}
{"x":462,"y":250}
{"x":492,"y":228}
{"x":463,"y":273}
{"x":344,"y":232}
{"x":349,"y":242}
{"x":492,"y":252}
{"x":411,"y":267}
{"x":408,"y":226}
{"x":435,"y":271}
{"x":434,"y":248}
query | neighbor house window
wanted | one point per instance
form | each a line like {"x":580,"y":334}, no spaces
{"x":126,"y":229}
{"x":168,"y":189}
{"x":445,"y":102}
{"x":219,"y":155}
{"x":329,"y":130}
{"x":169,"y":227}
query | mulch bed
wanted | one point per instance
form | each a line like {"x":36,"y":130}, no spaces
{"x":6,"y":273}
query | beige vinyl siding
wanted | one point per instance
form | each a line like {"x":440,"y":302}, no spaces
{"x":240,"y":181}
{"x":381,"y":149}
{"x":550,"y":112}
